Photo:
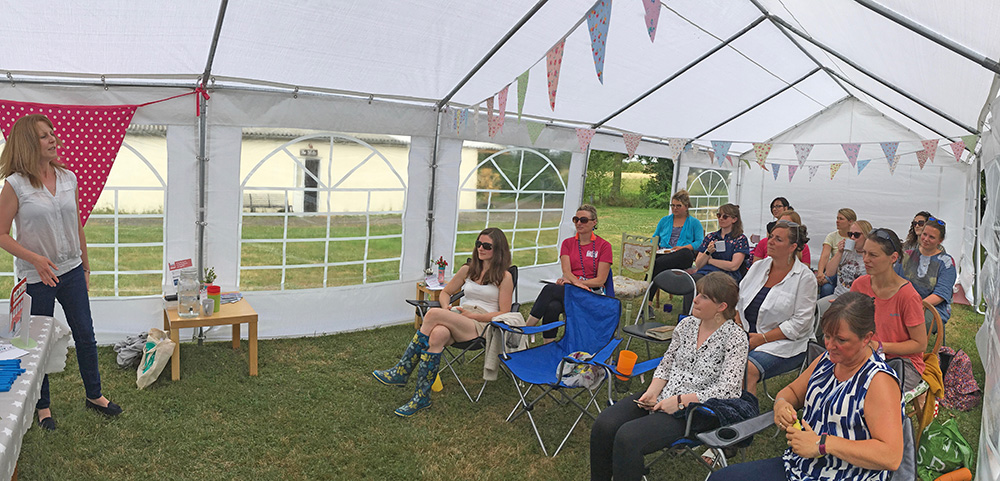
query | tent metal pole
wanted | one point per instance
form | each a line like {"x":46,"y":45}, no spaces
{"x":510,"y":33}
{"x":931,"y":35}
{"x":682,"y":70}
{"x":866,"y":92}
{"x":430,"y":194}
{"x":795,"y":42}
{"x":758,"y":104}
{"x":977,"y":287}
{"x":878,"y":79}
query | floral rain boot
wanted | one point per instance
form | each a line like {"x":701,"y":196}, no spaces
{"x":398,"y":374}
{"x":429,"y":365}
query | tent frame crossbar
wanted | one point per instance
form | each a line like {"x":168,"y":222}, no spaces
{"x":759,"y":103}
{"x":883,"y":102}
{"x":872,"y":75}
{"x":682,"y":70}
{"x":986,"y":62}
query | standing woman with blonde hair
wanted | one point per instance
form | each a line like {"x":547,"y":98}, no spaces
{"x":41,"y":198}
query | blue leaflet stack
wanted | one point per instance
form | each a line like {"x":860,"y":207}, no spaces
{"x":9,"y":371}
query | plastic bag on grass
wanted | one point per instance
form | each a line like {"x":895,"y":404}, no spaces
{"x":942,"y":450}
{"x":155,"y":355}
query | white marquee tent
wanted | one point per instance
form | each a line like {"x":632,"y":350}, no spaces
{"x":741,"y":71}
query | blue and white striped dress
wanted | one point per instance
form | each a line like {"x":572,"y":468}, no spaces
{"x":837,"y":409}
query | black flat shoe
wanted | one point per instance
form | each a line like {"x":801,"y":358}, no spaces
{"x":47,"y":424}
{"x":112,"y":409}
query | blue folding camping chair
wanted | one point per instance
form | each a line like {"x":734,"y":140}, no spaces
{"x":590,"y":325}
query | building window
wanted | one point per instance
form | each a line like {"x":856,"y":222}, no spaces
{"x":320,"y":209}
{"x":518,"y":190}
{"x":709,"y":189}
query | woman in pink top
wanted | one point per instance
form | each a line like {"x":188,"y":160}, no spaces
{"x":899,"y":317}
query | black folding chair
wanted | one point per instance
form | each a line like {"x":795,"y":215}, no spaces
{"x":674,"y":282}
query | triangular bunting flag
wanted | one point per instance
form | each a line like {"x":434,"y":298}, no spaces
{"x":585,"y":136}
{"x":475,"y":118}
{"x":970,"y":142}
{"x":553,"y":63}
{"x":631,"y":142}
{"x":921,"y":158}
{"x":930,"y":147}
{"x":812,"y":171}
{"x":957,"y":148}
{"x":458,"y":121}
{"x":862,"y":164}
{"x":791,"y":171}
{"x":774,"y":170}
{"x":730,"y":159}
{"x":652,"y":17}
{"x":834,"y":168}
{"x":721,"y":147}
{"x":889,"y":148}
{"x":598,"y":20}
{"x":893,"y":162}
{"x":851,"y":150}
{"x":688,"y":146}
{"x":492,"y":121}
{"x":91,"y":136}
{"x":761,"y":150}
{"x":522,"y":89}
{"x":465,"y":118}
{"x":534,"y":130}
{"x":502,"y":106}
{"x":676,"y":145}
{"x":802,"y":153}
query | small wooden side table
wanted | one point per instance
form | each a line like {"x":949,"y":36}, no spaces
{"x":235,"y":313}
{"x":422,"y":294}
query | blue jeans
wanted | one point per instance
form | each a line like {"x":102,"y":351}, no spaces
{"x":762,"y":469}
{"x":828,"y":288}
{"x":71,"y":292}
{"x":769,"y":365}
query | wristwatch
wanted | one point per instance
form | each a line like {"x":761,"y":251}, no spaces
{"x":822,"y":445}
{"x":680,"y":405}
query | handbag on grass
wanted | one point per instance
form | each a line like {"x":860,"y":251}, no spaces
{"x":942,"y":450}
{"x":155,"y":355}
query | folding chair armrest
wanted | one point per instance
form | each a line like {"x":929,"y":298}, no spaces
{"x":639,"y":369}
{"x":693,"y":410}
{"x":528,"y":329}
{"x":423,"y":304}
{"x":727,"y":436}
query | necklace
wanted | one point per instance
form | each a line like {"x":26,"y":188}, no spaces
{"x":579,"y":251}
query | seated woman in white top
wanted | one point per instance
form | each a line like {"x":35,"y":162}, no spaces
{"x":487,"y":285}
{"x":777,"y":300}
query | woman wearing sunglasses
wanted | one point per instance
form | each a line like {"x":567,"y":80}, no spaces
{"x":827,"y":283}
{"x":916,"y":227}
{"x":736,"y":249}
{"x":586,"y":260}
{"x":931,"y":270}
{"x":899,"y":318}
{"x":487,"y":285}
{"x":847,"y":264}
{"x":680,"y":235}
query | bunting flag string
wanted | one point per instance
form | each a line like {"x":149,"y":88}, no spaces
{"x":534,"y":130}
{"x":957,"y":148}
{"x":851,"y":150}
{"x":721,"y":148}
{"x":774,"y":170}
{"x":502,"y":106}
{"x":598,"y":21}
{"x":522,"y":89}
{"x":491,"y":119}
{"x":893,"y":163}
{"x":802,"y":153}
{"x":922,"y":158}
{"x":553,"y":63}
{"x":812,"y":171}
{"x":631,"y":142}
{"x":930,"y":147}
{"x":652,"y":17}
{"x":676,"y":145}
{"x":862,"y":164}
{"x":889,"y":149}
{"x":585,"y":136}
{"x":760,"y":150}
{"x":834,"y":168}
{"x":91,"y":134}
{"x":970,"y":142}
{"x":791,"y":171}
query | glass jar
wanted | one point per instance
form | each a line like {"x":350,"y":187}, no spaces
{"x":187,"y":294}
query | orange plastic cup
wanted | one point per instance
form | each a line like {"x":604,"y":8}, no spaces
{"x":626,"y":361}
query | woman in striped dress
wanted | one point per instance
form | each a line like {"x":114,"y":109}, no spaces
{"x":852,"y":423}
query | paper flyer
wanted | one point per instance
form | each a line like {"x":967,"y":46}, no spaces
{"x":17,"y":305}
{"x":175,"y":270}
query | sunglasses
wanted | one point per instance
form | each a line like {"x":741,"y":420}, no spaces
{"x":777,"y":206}
{"x":854,"y":235}
{"x":724,"y":216}
{"x":485,"y":245}
{"x":676,"y":206}
{"x":936,"y":221}
{"x":884,"y":235}
{"x":917,"y":223}
{"x":582,"y":220}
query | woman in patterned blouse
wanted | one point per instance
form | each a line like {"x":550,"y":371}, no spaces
{"x":851,"y":427}
{"x":705,"y":360}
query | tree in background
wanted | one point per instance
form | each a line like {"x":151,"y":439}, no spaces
{"x":603,"y":185}
{"x":656,"y":192}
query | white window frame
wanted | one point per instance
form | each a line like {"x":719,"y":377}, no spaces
{"x":710,"y":180}
{"x":329,"y":186}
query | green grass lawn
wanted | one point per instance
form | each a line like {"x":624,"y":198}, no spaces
{"x":316,"y":413}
